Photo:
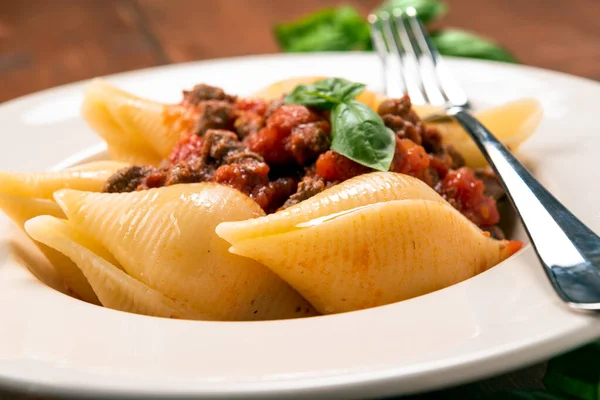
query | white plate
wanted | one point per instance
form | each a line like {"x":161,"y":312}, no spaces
{"x":505,"y":318}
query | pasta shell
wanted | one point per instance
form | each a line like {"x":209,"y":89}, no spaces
{"x":27,"y":195}
{"x":165,"y":239}
{"x":280,"y":88}
{"x":89,"y":177}
{"x":114,"y":287}
{"x":354,"y":252}
{"x":512,"y":123}
{"x":21,"y":209}
{"x":351,"y":194}
{"x":136,"y":130}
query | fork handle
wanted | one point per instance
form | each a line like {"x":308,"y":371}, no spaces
{"x":568,"y":250}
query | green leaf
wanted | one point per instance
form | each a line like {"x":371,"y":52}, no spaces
{"x":576,"y":373}
{"x":331,"y":29}
{"x":359,"y":133}
{"x":526,"y":395}
{"x":427,"y":10}
{"x":325,"y":94}
{"x":459,"y":43}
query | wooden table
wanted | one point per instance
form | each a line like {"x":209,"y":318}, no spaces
{"x":44,"y":43}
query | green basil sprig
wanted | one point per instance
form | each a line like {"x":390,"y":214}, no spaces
{"x":360,"y":134}
{"x":325,"y":94}
{"x":357,"y":131}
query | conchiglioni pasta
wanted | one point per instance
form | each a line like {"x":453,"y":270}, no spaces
{"x":164,"y":239}
{"x":177,"y":226}
{"x":136,"y":130}
{"x":144,"y":132}
{"x":27,"y":195}
{"x":372,"y":240}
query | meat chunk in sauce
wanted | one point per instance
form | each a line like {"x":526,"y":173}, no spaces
{"x":467,"y":194}
{"x":213,"y":114}
{"x":272,"y":142}
{"x":307,"y":141}
{"x":204,"y":92}
{"x":249,"y":116}
{"x":127,"y":179}
{"x":279,"y":154}
{"x":307,"y":188}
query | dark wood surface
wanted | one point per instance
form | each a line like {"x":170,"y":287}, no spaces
{"x":47,"y":43}
{"x":44,"y":43}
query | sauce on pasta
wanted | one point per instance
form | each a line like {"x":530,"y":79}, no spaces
{"x":279,"y":154}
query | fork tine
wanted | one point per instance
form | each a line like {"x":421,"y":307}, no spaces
{"x":410,"y":80}
{"x":424,"y":57}
{"x":444,"y":82}
{"x":396,"y":80}
{"x":382,"y":50}
{"x":397,"y":76}
{"x":410,"y":71}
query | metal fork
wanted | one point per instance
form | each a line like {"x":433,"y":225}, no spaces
{"x":567,"y":249}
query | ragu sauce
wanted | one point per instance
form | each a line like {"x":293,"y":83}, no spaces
{"x":279,"y":154}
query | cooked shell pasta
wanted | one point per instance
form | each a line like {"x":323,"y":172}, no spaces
{"x":512,"y":123}
{"x":89,"y":177}
{"x":114,"y":287}
{"x":144,"y":132}
{"x":164,"y":239}
{"x":372,"y":240}
{"x":136,"y":130}
{"x":27,"y":195}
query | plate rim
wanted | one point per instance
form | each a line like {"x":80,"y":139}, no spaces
{"x":302,"y":390}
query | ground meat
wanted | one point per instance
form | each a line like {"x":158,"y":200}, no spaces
{"x":204,"y":92}
{"x":333,"y":166}
{"x":467,"y":194}
{"x":307,"y":141}
{"x":431,"y":140}
{"x":247,"y":124}
{"x":249,"y":116}
{"x":279,"y":154}
{"x":458,"y":160}
{"x":493,"y":187}
{"x":218,"y":144}
{"x":272,"y":195}
{"x":127,"y":179}
{"x":307,"y":188}
{"x":401,"y":107}
{"x":274,"y":105}
{"x":271,"y":141}
{"x":188,"y":147}
{"x":441,"y":163}
{"x":213,"y":114}
{"x":288,"y":116}
{"x":244,"y":177}
{"x":185,"y":173}
{"x":403,"y":128}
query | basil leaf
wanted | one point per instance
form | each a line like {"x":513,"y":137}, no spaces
{"x":526,"y":395}
{"x":459,"y":43}
{"x":427,"y":10}
{"x":359,"y":134}
{"x":576,"y":373}
{"x":331,"y":29}
{"x":340,"y":88}
{"x":325,"y":94}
